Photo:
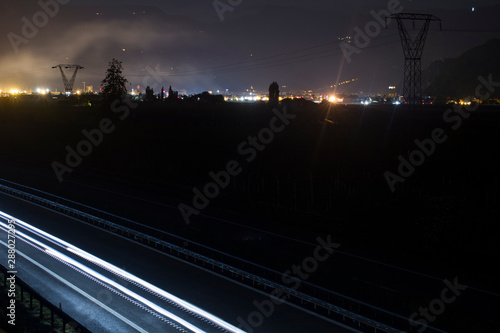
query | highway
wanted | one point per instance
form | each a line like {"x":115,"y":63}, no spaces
{"x":404,"y":279}
{"x":30,"y":236}
{"x":111,"y":284}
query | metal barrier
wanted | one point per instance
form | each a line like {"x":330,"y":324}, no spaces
{"x":68,"y":323}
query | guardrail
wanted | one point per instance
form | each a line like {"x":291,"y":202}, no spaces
{"x":360,"y":315}
{"x":57,"y":319}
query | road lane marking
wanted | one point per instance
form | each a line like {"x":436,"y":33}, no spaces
{"x":314,"y":314}
{"x":81,"y":292}
{"x":117,"y":271}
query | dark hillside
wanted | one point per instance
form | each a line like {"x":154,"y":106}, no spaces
{"x":459,"y":77}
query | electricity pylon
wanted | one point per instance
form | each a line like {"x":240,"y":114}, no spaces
{"x":413,"y":49}
{"x":68,"y":84}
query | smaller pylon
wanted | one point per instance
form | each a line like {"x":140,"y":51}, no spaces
{"x":68,"y":84}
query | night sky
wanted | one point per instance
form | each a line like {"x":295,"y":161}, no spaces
{"x":185,"y":44}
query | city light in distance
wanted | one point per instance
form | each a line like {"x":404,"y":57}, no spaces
{"x":334,"y":99}
{"x":42,"y":91}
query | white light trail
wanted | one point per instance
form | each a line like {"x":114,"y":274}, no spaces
{"x":113,"y":269}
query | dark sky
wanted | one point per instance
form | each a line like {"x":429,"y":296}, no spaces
{"x":200,"y":10}
{"x":185,"y":44}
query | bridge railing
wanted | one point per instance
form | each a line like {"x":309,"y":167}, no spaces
{"x":38,"y":308}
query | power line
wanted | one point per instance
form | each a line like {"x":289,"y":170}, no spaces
{"x":272,"y":56}
{"x":266,"y":62}
{"x":255,"y":65}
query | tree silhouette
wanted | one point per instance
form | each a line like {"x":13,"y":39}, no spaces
{"x":172,"y":95}
{"x":150,"y":94}
{"x":114,"y":84}
{"x":274,"y":93}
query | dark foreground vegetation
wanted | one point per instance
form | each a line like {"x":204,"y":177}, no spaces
{"x":325,"y":173}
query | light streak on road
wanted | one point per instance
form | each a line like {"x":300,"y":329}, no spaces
{"x":79,"y":291}
{"x":113,"y":269}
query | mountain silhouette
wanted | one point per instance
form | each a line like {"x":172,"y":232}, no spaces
{"x":459,"y":77}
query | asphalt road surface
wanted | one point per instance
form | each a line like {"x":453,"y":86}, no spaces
{"x":112,"y":284}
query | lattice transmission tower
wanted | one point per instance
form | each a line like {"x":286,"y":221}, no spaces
{"x":413,"y":48}
{"x":68,"y":83}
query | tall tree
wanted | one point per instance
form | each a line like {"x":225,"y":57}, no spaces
{"x":274,"y":93}
{"x":172,"y":95}
{"x":114,"y":84}
{"x":150,"y":94}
